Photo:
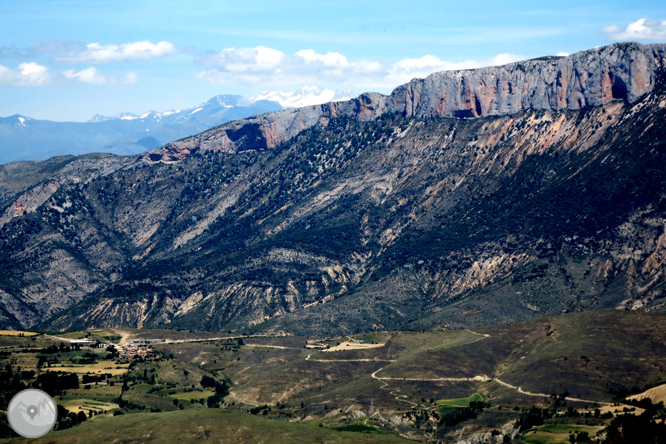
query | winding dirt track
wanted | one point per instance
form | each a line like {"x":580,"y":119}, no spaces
{"x":280,"y":347}
{"x":482,"y":378}
{"x":479,"y":378}
{"x":181,"y":341}
{"x":544,"y":395}
{"x":349,"y":360}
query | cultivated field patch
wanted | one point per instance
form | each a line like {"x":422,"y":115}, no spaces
{"x":86,"y":405}
{"x":17,"y":333}
{"x":187,"y":396}
{"x":460,"y":402}
{"x":656,"y":394}
{"x":98,"y":367}
{"x":557,"y":433}
{"x":346,"y":346}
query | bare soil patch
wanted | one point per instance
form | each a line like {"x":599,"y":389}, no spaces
{"x":345,"y":346}
{"x":656,"y":394}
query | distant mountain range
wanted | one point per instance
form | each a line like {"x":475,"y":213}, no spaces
{"x":24,"y":138}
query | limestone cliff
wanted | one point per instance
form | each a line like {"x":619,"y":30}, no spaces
{"x":623,"y":71}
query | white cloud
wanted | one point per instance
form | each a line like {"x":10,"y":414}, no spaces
{"x":26,"y":74}
{"x":34,"y":74}
{"x":641,"y":29}
{"x":307,"y":95}
{"x":130,"y":78}
{"x":503,"y":59}
{"x":407,"y":69}
{"x":92,"y":76}
{"x":328,"y":59}
{"x":562,"y":54}
{"x":246,"y":59}
{"x":269,"y":67}
{"x":99,"y":54}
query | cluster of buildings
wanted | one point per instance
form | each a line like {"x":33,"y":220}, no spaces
{"x":87,"y":343}
{"x":135,"y":347}
{"x":132,"y":350}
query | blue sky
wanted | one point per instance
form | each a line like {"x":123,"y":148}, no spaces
{"x":70,"y":59}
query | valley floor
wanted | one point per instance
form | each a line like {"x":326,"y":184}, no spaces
{"x":534,"y":382}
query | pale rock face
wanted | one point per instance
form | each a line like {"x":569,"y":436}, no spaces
{"x":594,"y":77}
{"x":509,"y":429}
{"x":623,"y":71}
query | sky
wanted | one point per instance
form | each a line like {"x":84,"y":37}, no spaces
{"x":67,"y":60}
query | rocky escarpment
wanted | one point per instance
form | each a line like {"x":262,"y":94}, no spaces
{"x":392,"y":222}
{"x":371,"y":220}
{"x":623,"y":71}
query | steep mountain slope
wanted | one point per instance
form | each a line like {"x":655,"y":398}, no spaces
{"x":367,"y":217}
{"x":42,"y":286}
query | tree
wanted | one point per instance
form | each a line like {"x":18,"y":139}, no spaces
{"x":222,"y":388}
{"x":583,"y":437}
{"x":54,"y":384}
{"x":214,"y":401}
{"x":207,"y":382}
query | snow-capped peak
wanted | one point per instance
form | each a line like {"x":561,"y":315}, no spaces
{"x":227,"y":101}
{"x":129,"y":116}
{"x":307,"y":95}
{"x":126,"y":116}
{"x":99,"y":118}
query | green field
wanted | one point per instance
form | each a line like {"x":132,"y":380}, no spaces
{"x":72,"y":335}
{"x":98,"y":392}
{"x":460,"y":402}
{"x":196,"y":395}
{"x":557,"y":433}
{"x":205,"y":425}
{"x":447,"y":406}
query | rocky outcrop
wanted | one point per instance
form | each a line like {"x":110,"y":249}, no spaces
{"x":623,"y":71}
{"x":507,"y":431}
{"x":271,"y":129}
